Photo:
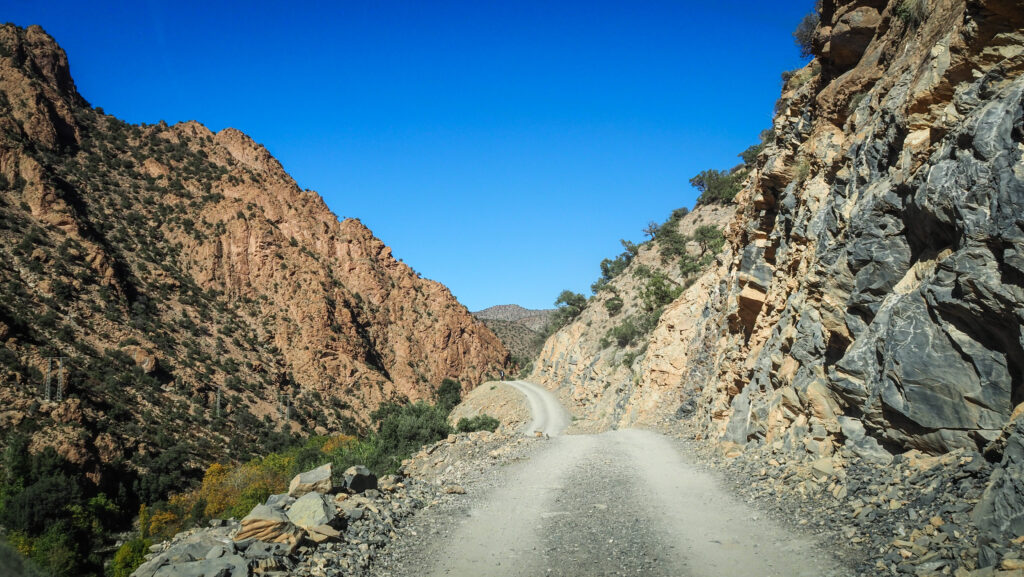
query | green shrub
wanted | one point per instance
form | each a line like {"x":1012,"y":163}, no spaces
{"x":688,"y":264}
{"x":717,"y":186}
{"x":622,"y":334}
{"x":570,"y":305}
{"x":613,"y":305}
{"x":403,"y":429}
{"x":912,"y":12}
{"x":659,"y":291}
{"x":803,"y":36}
{"x":671,"y":243}
{"x":128,"y":558}
{"x":478,"y":423}
{"x":749,"y":155}
{"x":710,"y":238}
{"x":448,"y":395}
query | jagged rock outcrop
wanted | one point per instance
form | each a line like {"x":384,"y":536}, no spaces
{"x":200,"y":298}
{"x":870,"y":297}
{"x":879,"y":281}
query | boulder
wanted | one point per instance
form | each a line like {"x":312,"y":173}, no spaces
{"x":280,"y":501}
{"x":318,"y":480}
{"x":389,"y":483}
{"x":268,"y":524}
{"x":862,"y":445}
{"x":359,"y":479}
{"x":999,"y":514}
{"x":310,"y":510}
{"x":142,"y":358}
{"x":206,"y":554}
{"x":233,"y":566}
{"x":322,"y":533}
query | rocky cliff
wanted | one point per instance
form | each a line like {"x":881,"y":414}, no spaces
{"x":200,"y":299}
{"x":593,"y":362}
{"x":870,"y":294}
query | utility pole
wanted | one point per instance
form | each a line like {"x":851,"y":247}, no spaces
{"x":284,"y":406}
{"x":61,"y":381}
{"x":217,"y":413}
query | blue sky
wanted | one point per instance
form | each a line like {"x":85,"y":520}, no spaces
{"x":501,"y":148}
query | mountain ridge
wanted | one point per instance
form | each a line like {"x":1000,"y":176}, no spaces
{"x":187,"y":279}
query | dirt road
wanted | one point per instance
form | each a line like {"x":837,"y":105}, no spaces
{"x":618,"y":503}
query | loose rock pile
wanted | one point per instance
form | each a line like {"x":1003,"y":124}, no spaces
{"x":314,"y":530}
{"x":910,"y":517}
{"x":450,"y":461}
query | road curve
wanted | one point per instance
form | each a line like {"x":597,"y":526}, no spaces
{"x":549,"y":416}
{"x":623,"y":502}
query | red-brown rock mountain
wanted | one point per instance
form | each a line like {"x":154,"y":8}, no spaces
{"x":167,"y":263}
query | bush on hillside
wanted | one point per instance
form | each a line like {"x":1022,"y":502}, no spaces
{"x":749,"y":155}
{"x":613,"y":305}
{"x":803,"y":36}
{"x":448,"y":395}
{"x":671,"y":242}
{"x":659,"y":291}
{"x":483,"y":422}
{"x":611,"y":268}
{"x":403,"y":429}
{"x":128,"y":558}
{"x":710,"y":238}
{"x":570,"y":305}
{"x":912,"y":12}
{"x":717,"y":186}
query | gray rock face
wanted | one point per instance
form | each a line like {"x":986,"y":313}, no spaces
{"x":860,"y":444}
{"x":1000,"y":513}
{"x":311,"y":510}
{"x":341,"y":548}
{"x":318,"y":480}
{"x":938,"y":358}
{"x":233,"y":566}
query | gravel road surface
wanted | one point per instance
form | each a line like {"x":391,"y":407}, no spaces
{"x":623,"y":502}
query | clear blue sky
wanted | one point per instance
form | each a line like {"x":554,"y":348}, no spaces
{"x":501,"y":148}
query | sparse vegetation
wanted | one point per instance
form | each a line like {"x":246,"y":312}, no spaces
{"x":613,"y":305}
{"x":717,"y":186}
{"x":482,"y":422}
{"x":399,"y":429}
{"x":570,"y":305}
{"x":611,"y":268}
{"x":912,"y":12}
{"x":803,"y":36}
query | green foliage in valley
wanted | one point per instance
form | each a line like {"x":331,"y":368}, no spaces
{"x":53,"y":515}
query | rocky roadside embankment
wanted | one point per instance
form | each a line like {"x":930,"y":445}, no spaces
{"x":323,"y":529}
{"x":914,"y":515}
